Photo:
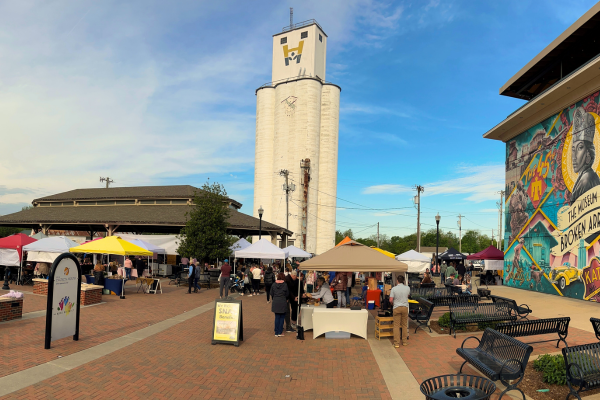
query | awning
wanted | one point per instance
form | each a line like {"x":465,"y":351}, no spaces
{"x":263,"y":249}
{"x":353,"y":257}
{"x":111,"y":245}
{"x":296,"y":252}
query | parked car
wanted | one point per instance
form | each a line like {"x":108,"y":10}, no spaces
{"x":564,"y":275}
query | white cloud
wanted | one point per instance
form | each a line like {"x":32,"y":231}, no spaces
{"x":479,"y":183}
{"x":386,"y":189}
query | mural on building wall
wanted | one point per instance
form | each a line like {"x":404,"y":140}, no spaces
{"x":552,"y":221}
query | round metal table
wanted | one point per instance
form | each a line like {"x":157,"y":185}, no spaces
{"x":466,"y":387}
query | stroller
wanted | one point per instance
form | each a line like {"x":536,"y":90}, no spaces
{"x":236,"y":284}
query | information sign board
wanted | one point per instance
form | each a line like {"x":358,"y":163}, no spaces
{"x":228,"y":323}
{"x":64,"y":292}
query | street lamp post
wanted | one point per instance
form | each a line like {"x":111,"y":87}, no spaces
{"x":5,"y":286}
{"x":437,"y":244}
{"x":260,"y":213}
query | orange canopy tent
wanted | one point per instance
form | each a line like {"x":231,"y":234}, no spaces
{"x":344,"y":241}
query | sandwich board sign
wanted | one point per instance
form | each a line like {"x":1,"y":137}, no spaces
{"x":228,"y":323}
{"x":64,"y":292}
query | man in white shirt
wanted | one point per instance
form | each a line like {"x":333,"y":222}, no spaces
{"x":399,"y":298}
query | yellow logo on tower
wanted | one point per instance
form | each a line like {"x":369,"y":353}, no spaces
{"x":293,"y":54}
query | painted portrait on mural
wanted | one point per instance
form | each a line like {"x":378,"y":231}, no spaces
{"x":552,"y":224}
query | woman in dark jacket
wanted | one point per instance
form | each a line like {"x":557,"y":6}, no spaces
{"x":269,"y":280}
{"x":280,"y":293}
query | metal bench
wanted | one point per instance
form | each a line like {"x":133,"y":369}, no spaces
{"x":596,"y":325}
{"x":428,"y":292}
{"x":559,"y":326}
{"x":464,"y":314}
{"x":484,"y":293}
{"x":447,"y":301}
{"x":499,"y":357}
{"x":422,"y":314}
{"x":522,"y":311}
{"x":583,"y":368}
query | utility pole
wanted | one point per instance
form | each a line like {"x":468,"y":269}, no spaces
{"x":107,"y":180}
{"x":420,"y":189}
{"x":287,"y":188}
{"x":499,"y":204}
{"x":305,"y":166}
{"x":378,"y":235}
{"x":459,"y":233}
{"x":492,"y":237}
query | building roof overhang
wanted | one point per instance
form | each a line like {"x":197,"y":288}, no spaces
{"x":579,"y":84}
{"x":570,"y":50}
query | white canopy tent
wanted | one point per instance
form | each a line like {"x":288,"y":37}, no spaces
{"x":39,"y":236}
{"x":169,"y":243}
{"x":48,"y":249}
{"x":9,"y":258}
{"x":240,"y":245}
{"x":417,"y":262}
{"x":296,"y":252}
{"x":263,"y":249}
{"x":148,"y":246}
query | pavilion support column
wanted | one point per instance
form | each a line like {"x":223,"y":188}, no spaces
{"x":111,"y":229}
{"x":45,"y":228}
{"x":273,"y":237}
{"x":284,"y":241}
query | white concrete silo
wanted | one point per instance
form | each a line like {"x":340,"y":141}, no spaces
{"x":298,"y":114}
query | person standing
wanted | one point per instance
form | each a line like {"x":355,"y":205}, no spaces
{"x":191,"y":277}
{"x":399,"y":298}
{"x":269,"y":280}
{"x":140,"y":266}
{"x":128,"y":265}
{"x":225,"y":279}
{"x":450,"y":270}
{"x":293,"y":286}
{"x":349,"y":287}
{"x":280,"y":294}
{"x":460,"y":269}
{"x":340,"y":283}
{"x":196,"y":276}
{"x":256,"y":272}
{"x":443,"y":272}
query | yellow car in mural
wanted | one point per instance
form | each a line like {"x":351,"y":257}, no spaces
{"x":564,"y":275}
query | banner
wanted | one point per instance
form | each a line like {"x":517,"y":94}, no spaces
{"x":577,"y":221}
{"x":228,"y":322}
{"x":64,"y":291}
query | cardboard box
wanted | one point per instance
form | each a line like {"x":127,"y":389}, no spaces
{"x":387,"y":290}
{"x":372,"y":284}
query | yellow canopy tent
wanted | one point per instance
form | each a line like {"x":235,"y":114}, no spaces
{"x":112,"y":245}
{"x":387,"y":253}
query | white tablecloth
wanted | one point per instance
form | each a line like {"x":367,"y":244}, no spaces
{"x":306,"y":315}
{"x":339,"y":320}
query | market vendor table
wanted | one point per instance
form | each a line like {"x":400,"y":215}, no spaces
{"x":306,"y":315}
{"x":374,"y":295}
{"x":339,"y":320}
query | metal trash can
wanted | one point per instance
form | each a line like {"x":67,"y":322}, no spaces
{"x":458,"y":386}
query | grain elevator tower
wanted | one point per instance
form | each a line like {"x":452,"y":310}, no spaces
{"x":297,"y":118}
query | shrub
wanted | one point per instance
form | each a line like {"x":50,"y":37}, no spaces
{"x":553,"y":368}
{"x":444,"y":320}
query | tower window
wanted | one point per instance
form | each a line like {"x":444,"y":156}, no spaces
{"x":320,"y":38}
{"x":283,"y":40}
{"x":304,"y":35}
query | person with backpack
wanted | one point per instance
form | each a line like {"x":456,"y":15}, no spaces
{"x":269,"y":280}
{"x":196,"y":276}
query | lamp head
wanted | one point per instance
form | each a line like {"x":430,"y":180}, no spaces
{"x":260,"y":211}
{"x":437,"y":218}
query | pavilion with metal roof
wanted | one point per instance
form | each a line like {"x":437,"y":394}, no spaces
{"x":145,"y":209}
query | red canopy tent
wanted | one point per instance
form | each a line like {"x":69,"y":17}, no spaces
{"x":493,"y":259}
{"x":16,"y":243}
{"x":491,"y":253}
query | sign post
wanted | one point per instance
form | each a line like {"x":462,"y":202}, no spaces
{"x":64,"y":292}
{"x":228,"y":322}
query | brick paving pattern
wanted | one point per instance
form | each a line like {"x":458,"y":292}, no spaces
{"x":180,"y":362}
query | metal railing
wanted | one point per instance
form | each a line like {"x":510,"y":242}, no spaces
{"x":293,"y":78}
{"x":300,"y":25}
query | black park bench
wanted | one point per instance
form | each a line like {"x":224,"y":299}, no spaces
{"x":522,"y":311}
{"x":422,"y":314}
{"x":484,"y":293}
{"x":596,"y":325}
{"x":559,"y":326}
{"x":583,"y":368}
{"x":464,"y":314}
{"x":499,"y":357}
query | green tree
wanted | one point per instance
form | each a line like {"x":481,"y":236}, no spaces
{"x":7,"y":231}
{"x":204,"y":235}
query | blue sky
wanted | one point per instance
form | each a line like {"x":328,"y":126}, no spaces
{"x":153,"y":92}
